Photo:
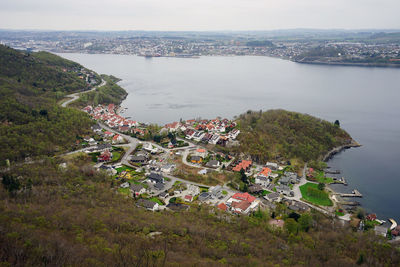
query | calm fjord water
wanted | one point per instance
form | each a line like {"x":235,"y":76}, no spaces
{"x":364,"y":100}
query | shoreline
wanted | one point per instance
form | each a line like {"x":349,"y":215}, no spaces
{"x":328,"y":156}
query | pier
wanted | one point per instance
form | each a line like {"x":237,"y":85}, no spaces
{"x":354,"y":193}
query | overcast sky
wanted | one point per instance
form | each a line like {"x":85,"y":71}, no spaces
{"x":198,"y":14}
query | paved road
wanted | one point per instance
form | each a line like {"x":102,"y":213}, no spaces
{"x":75,"y":96}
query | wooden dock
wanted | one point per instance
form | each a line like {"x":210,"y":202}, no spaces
{"x":354,"y":193}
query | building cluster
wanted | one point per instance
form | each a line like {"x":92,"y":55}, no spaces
{"x":189,"y":46}
{"x":216,"y":131}
{"x":108,"y":115}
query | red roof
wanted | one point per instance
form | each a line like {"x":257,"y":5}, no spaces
{"x":244,"y":196}
{"x":244,"y":164}
{"x":242,"y":205}
{"x":265,"y":171}
{"x":188,"y":197}
{"x":222,"y":206}
{"x":116,"y":137}
{"x":201,"y":150}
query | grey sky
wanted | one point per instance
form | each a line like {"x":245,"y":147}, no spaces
{"x":198,"y":14}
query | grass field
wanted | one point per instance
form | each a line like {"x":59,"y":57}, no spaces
{"x":321,"y":199}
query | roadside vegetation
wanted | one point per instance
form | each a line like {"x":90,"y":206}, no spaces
{"x":110,"y":93}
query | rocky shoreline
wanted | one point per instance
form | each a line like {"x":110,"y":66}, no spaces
{"x":338,"y":149}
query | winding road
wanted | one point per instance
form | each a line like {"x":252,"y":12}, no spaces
{"x":75,"y":96}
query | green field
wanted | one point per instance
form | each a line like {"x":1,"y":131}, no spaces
{"x":312,"y":194}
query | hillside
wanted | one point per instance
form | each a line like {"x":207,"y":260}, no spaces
{"x":73,"y":218}
{"x":110,"y":93}
{"x":285,"y":135}
{"x":31,"y":123}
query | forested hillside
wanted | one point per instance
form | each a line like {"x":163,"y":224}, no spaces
{"x":31,"y":123}
{"x":72,"y":217}
{"x":280,"y":134}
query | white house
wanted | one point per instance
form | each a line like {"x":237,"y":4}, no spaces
{"x":262,"y":180}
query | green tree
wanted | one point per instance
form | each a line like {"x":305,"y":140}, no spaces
{"x":305,"y":222}
{"x":321,"y":186}
{"x":291,"y":226}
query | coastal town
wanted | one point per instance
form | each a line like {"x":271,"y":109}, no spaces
{"x":353,"y":48}
{"x":169,"y":170}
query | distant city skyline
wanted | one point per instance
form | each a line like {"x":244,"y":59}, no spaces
{"x":198,"y":15}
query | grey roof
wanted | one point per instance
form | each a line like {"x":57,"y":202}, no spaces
{"x":103,"y":146}
{"x":273,"y":195}
{"x":145,"y":203}
{"x":285,"y":180}
{"x":283,"y":188}
{"x":263,"y":178}
{"x":163,"y":194}
{"x":255,"y":188}
{"x":136,"y":187}
{"x":159,"y":186}
{"x":196,"y":158}
{"x":212,"y":163}
{"x":156,"y":177}
{"x":138,"y":158}
{"x":96,"y":127}
{"x":204,"y":196}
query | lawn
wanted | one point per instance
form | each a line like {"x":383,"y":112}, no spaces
{"x":320,"y":178}
{"x":312,"y":194}
{"x":123,"y":168}
{"x":116,"y":156}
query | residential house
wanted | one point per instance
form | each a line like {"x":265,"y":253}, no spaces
{"x":201,"y":152}
{"x":138,"y":159}
{"x":150,"y":148}
{"x":163,"y":195}
{"x":213,"y":163}
{"x":272,"y":165}
{"x":147,"y":204}
{"x":159,"y":186}
{"x":244,"y":164}
{"x":204,"y":196}
{"x":188,"y":198}
{"x":196,"y":159}
{"x":155,"y":178}
{"x":193,"y":190}
{"x":104,"y":156}
{"x":242,"y":203}
{"x":222,"y":206}
{"x":96,"y":128}
{"x":262,"y":180}
{"x":137,"y":189}
{"x":124,"y":185}
{"x":214,"y":139}
{"x":255,"y":188}
{"x":266,"y":172}
{"x":274,"y":196}
{"x":215,"y":191}
{"x":108,"y":134}
{"x":234,"y":134}
{"x":198,"y":136}
{"x":285,"y":180}
{"x":102,"y":147}
{"x":283,"y":189}
{"x":167,"y":168}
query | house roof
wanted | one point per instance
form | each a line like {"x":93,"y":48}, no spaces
{"x":156,"y":177}
{"x":136,"y":187}
{"x":244,"y":196}
{"x":265,"y":171}
{"x":242,"y":205}
{"x":222,"y":206}
{"x":146,"y":203}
